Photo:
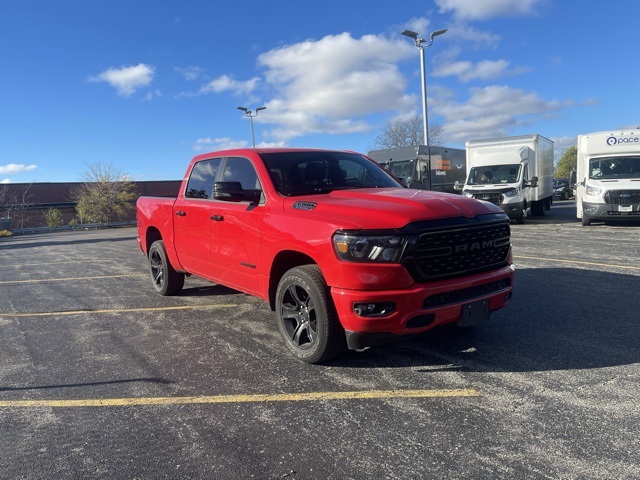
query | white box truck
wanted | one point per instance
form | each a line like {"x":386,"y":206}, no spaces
{"x":608,"y":176}
{"x":434,"y":168}
{"x":515,"y":173}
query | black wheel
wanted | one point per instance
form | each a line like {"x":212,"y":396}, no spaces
{"x":566,"y":194}
{"x":306,"y":317}
{"x":585,"y":221}
{"x":522,"y":218}
{"x":537,"y":209}
{"x":166,"y":280}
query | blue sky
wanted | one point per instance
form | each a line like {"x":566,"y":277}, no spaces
{"x":147,"y":84}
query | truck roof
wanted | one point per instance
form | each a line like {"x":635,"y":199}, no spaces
{"x":245,"y":151}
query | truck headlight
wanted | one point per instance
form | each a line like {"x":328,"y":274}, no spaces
{"x":594,"y":191}
{"x":369,"y":248}
{"x":467,"y":194}
{"x":512,"y":192}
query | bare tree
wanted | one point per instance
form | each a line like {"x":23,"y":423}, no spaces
{"x":403,"y":133}
{"x":107,"y":195}
{"x":15,"y":201}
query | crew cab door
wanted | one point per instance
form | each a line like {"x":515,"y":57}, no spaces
{"x":192,"y":219}
{"x":236,"y":229}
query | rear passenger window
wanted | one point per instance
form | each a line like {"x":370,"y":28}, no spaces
{"x":201,"y":180}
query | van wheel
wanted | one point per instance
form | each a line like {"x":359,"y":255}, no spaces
{"x":585,"y":221}
{"x":522,"y":218}
{"x":306,"y":316}
{"x":164,"y":277}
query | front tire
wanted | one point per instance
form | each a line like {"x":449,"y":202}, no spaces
{"x":165,"y":279}
{"x":306,"y":316}
{"x":585,"y":221}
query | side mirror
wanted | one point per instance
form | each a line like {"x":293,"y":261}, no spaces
{"x":233,"y":192}
{"x":458,"y":186}
{"x":533,"y":183}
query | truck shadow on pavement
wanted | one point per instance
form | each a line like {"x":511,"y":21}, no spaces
{"x":559,"y":319}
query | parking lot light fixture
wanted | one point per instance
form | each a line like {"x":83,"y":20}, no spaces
{"x":251,"y":114}
{"x":421,"y":44}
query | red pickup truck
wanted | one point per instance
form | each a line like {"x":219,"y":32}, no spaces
{"x":345,"y":255}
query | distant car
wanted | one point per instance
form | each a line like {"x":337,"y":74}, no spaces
{"x":561,"y":188}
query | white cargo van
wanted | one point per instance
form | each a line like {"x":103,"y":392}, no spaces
{"x":608,"y":178}
{"x":515,"y":173}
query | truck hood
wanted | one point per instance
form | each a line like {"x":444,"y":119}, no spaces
{"x":382,"y":208}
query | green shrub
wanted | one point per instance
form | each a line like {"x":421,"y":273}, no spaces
{"x":53,"y":218}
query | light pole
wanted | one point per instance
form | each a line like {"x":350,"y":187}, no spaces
{"x":420,"y":43}
{"x":251,"y":114}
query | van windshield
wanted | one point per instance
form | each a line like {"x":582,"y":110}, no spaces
{"x":614,"y":168}
{"x":494,"y":174}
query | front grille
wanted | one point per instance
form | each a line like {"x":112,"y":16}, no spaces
{"x":495,"y":198}
{"x":622,"y":197}
{"x":453,"y":252}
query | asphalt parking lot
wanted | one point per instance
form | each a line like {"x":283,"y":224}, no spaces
{"x":102,"y":378}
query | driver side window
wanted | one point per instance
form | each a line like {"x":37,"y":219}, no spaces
{"x":240,"y":169}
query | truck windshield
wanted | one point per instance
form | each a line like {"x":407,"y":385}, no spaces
{"x":303,"y":173}
{"x":401,"y":169}
{"x":494,"y":174}
{"x":614,"y":167}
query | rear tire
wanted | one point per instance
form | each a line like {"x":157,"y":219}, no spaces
{"x":537,"y":208}
{"x":165,"y":279}
{"x":306,"y":316}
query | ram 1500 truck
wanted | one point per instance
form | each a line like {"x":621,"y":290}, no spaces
{"x":345,"y":255}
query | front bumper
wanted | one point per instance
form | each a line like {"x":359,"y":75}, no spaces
{"x":605,"y":211}
{"x":513,"y":210}
{"x":421,"y":307}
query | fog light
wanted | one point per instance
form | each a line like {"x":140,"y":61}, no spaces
{"x":374,"y":309}
{"x":590,"y":209}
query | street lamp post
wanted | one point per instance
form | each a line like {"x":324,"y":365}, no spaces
{"x":251,"y":114}
{"x":420,"y":43}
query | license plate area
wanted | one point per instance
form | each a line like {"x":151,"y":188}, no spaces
{"x":474,"y":312}
{"x":625,"y":208}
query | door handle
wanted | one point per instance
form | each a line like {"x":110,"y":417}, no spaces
{"x":217,"y":218}
{"x":180,"y":213}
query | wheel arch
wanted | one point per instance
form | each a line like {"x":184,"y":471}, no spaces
{"x":151,"y":235}
{"x":283,"y":262}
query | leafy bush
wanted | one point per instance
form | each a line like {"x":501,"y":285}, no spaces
{"x":53,"y":218}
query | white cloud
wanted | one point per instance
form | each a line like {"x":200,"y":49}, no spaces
{"x":224,"y":143}
{"x":6,"y":180}
{"x":226,"y":83}
{"x":152,"y":94}
{"x":189,"y":73}
{"x":324,"y":86}
{"x":13,"y":168}
{"x":126,"y":80}
{"x":484,"y":70}
{"x":485,"y":9}
{"x":492,"y":111}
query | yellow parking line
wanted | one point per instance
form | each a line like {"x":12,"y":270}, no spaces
{"x":73,"y":279}
{"x":257,"y":398}
{"x":578,"y":262}
{"x":121,"y":310}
